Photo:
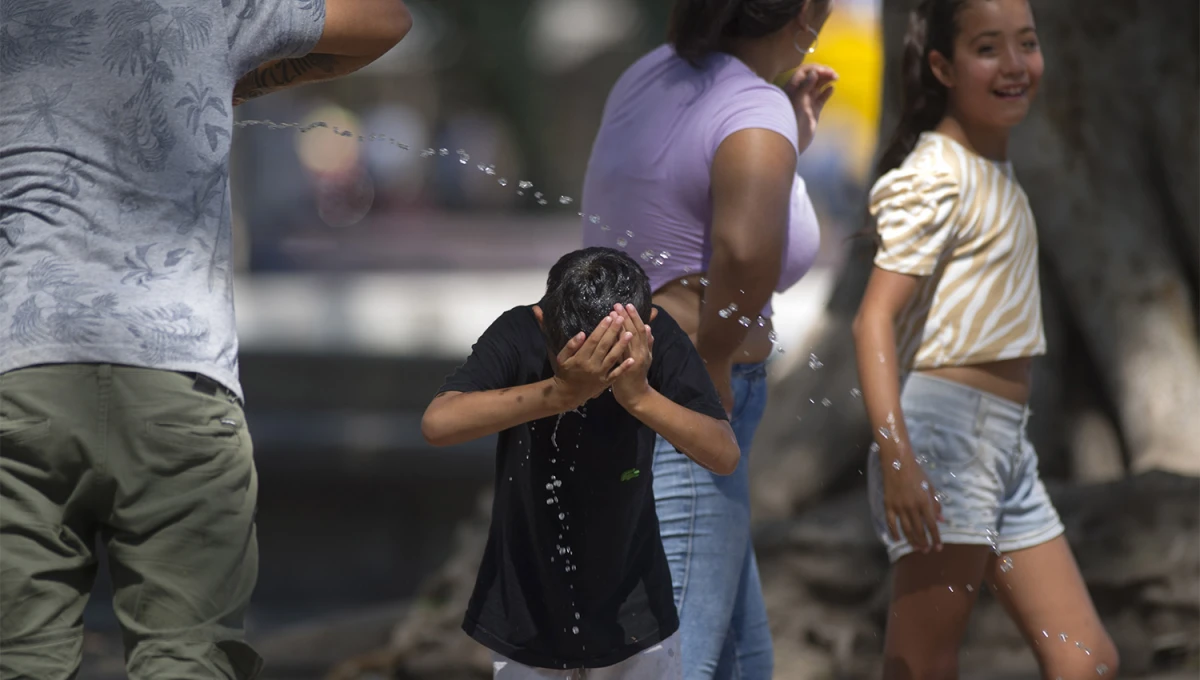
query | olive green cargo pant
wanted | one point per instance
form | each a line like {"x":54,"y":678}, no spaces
{"x":159,"y":466}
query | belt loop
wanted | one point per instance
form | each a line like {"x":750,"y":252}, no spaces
{"x":981,"y":414}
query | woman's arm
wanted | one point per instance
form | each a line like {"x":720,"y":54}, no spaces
{"x":908,"y":504}
{"x":752,"y":177}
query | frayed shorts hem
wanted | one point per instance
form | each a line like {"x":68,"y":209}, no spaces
{"x":1006,"y":544}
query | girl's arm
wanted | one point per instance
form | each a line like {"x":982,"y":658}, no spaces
{"x":909,"y":506}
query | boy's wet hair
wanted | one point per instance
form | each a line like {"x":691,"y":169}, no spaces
{"x":582,"y":288}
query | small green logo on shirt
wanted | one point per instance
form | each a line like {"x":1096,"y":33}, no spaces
{"x":630,"y":474}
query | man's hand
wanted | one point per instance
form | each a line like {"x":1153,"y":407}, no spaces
{"x":584,"y":368}
{"x":630,"y":383}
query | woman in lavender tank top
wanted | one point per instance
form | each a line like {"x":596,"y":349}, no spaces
{"x":694,"y":170}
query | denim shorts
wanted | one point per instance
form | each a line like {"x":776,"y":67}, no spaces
{"x":973,"y":448}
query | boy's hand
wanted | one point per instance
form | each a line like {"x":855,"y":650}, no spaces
{"x":630,"y":382}
{"x":584,"y":366}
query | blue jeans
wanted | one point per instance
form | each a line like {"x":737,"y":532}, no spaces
{"x":704,"y":520}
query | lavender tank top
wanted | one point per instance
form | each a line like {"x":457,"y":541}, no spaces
{"x":647,"y":188}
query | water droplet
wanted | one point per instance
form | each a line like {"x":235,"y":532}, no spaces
{"x":745,"y":321}
{"x":1045,"y":634}
{"x":762,"y":322}
{"x":575,"y":630}
{"x":895,"y":463}
{"x":558,"y":482}
{"x":970,"y":588}
{"x":561,"y":515}
{"x":1101,"y":669}
{"x":426,"y":153}
{"x":595,"y":219}
{"x":605,"y":228}
{"x":826,"y":403}
{"x":576,"y":616}
{"x":665,"y":255}
{"x":629,"y":233}
{"x":502,"y":182}
{"x":855,"y":392}
{"x":550,"y":501}
{"x":525,"y":184}
{"x":565,"y":200}
{"x":813,"y":362}
{"x":443,"y":152}
{"x":703,"y":281}
{"x":622,"y":242}
{"x":924,"y":485}
{"x":951,"y":588}
{"x":490,"y":170}
{"x":1062,"y":636}
{"x":481,"y":167}
{"x":724,"y":313}
{"x":885,"y":433}
{"x":773,"y":337}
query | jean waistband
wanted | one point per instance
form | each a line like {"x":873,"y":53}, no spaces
{"x":754,"y":370}
{"x":960,"y":403}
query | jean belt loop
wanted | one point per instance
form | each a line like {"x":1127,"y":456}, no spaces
{"x":981,"y":414}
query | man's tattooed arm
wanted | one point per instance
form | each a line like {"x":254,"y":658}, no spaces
{"x":285,"y":73}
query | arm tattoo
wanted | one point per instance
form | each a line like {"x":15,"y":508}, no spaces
{"x":285,"y":73}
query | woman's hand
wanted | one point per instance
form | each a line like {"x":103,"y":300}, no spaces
{"x":810,"y":88}
{"x":910,"y":502}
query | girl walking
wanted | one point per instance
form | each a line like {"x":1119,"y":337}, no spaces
{"x":945,"y":338}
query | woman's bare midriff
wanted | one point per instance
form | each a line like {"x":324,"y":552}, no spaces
{"x":681,"y":299}
{"x":1009,"y":379}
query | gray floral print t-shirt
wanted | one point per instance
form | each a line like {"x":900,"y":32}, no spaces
{"x":115,"y":125}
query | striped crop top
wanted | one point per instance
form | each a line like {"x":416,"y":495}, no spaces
{"x":963,"y":224}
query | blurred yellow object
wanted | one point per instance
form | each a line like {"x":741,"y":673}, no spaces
{"x":851,"y":45}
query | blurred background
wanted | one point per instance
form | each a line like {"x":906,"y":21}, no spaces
{"x":366,"y":271}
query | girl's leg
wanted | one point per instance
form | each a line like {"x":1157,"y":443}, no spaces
{"x":930,"y":606}
{"x":1043,"y":591}
{"x":1039,"y":584}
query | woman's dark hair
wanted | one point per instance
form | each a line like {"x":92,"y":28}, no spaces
{"x":932,"y":26}
{"x":699,"y":27}
{"x":582,"y":288}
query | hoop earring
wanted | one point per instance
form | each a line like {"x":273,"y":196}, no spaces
{"x":812,"y":47}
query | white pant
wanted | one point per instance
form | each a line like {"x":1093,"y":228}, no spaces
{"x":660,"y":662}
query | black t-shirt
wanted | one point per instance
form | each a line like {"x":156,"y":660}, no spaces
{"x":574,"y":574}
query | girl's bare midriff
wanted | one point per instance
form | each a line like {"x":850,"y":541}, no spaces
{"x":1009,"y":379}
{"x":681,"y":299}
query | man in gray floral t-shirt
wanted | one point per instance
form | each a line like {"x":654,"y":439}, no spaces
{"x":120,"y":407}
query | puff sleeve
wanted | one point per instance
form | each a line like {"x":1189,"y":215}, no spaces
{"x":914,"y":209}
